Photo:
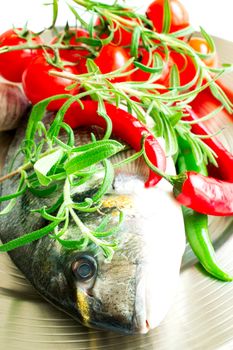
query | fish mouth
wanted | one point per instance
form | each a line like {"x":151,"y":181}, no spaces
{"x":93,"y":316}
{"x":142,"y":328}
{"x":126,"y":314}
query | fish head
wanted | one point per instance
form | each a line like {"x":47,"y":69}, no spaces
{"x":95,"y":292}
{"x":132,"y":292}
{"x":105,"y":292}
{"x":98,"y":293}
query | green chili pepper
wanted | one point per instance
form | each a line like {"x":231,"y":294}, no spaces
{"x":196,"y":224}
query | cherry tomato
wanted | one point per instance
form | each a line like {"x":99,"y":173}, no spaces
{"x":112,"y":58}
{"x":122,"y":37}
{"x":70,"y":38}
{"x":13,"y":64}
{"x":38,"y":84}
{"x":141,"y":75}
{"x":81,"y":66}
{"x":179,"y":15}
{"x":200,"y":45}
{"x":185,"y":66}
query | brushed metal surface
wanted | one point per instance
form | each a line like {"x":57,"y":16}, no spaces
{"x":200,"y":318}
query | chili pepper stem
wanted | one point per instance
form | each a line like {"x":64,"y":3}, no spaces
{"x":155,"y":169}
{"x":175,"y":180}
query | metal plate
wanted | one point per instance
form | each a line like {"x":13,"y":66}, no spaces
{"x":200,"y":318}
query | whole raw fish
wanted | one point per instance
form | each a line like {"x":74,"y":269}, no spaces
{"x":133,"y":292}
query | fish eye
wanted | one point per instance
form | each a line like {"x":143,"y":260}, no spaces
{"x":84,"y":268}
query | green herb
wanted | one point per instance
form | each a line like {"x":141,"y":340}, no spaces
{"x":50,"y":172}
{"x":166,"y":17}
{"x":53,"y":164}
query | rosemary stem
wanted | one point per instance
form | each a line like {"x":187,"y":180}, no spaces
{"x":109,"y":14}
{"x":66,"y":75}
{"x":16,"y":172}
{"x":78,"y":222}
{"x":128,"y":23}
{"x":85,"y":230}
{"x":81,"y":2}
{"x":26,"y":166}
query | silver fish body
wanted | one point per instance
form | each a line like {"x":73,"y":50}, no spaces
{"x":132,"y":293}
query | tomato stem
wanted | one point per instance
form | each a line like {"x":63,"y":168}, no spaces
{"x":54,"y":47}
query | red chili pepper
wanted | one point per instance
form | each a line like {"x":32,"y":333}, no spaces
{"x":125,"y":126}
{"x":225,"y":158}
{"x":206,"y":195}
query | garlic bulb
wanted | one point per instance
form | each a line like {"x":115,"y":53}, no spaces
{"x":13,"y":105}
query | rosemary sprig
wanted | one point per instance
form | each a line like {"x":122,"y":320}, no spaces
{"x":112,"y":15}
{"x":61,"y":167}
{"x":64,"y":167}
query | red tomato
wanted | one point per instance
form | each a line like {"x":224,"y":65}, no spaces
{"x":122,"y":37}
{"x":81,"y":66}
{"x":140,"y":75}
{"x":13,"y":64}
{"x":185,"y":66}
{"x":38,"y":84}
{"x":179,"y":15}
{"x":200,"y":45}
{"x":112,"y":58}
{"x":70,"y":38}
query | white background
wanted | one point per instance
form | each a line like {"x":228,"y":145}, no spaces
{"x":216,"y":16}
